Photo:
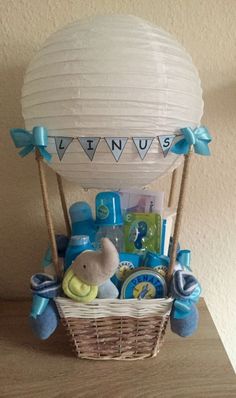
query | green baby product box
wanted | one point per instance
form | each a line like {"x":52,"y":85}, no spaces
{"x":142,"y":232}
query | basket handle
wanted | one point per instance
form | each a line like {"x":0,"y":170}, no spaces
{"x":180,"y":211}
{"x":48,"y":216}
{"x":63,"y":204}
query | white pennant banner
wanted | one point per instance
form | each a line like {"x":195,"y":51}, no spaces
{"x":166,"y":142}
{"x":62,"y":144}
{"x":116,"y":145}
{"x":143,"y":144}
{"x":89,"y":145}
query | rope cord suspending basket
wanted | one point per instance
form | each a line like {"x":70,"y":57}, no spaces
{"x":120,"y":121}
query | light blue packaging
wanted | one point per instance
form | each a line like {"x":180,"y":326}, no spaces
{"x":158,"y":262}
{"x":77,"y":245}
{"x":82,"y":221}
{"x":128,"y":262}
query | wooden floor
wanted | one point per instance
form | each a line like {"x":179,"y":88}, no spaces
{"x":185,"y":368}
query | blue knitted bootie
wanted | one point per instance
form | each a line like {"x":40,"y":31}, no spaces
{"x":44,"y":317}
{"x":44,"y":325}
{"x":186,"y":326}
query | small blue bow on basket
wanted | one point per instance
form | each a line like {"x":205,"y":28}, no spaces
{"x":199,"y":138}
{"x":30,"y":141}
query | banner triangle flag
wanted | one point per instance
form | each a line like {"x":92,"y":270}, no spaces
{"x":143,"y":144}
{"x":89,"y":145}
{"x":166,"y":142}
{"x":62,"y":144}
{"x":116,"y":145}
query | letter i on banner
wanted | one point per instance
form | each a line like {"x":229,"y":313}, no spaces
{"x":62,"y":144}
{"x":89,"y":145}
{"x":166,"y":142}
{"x":143,"y":144}
{"x":116,"y":145}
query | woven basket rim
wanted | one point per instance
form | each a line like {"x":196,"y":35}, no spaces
{"x":104,"y":308}
{"x":116,"y":301}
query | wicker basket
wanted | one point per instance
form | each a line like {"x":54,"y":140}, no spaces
{"x":115,"y":329}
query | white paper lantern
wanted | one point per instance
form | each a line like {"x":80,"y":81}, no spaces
{"x":112,"y":76}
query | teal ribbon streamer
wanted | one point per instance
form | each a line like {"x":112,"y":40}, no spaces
{"x":29,"y":141}
{"x":38,"y":306}
{"x":199,"y":138}
{"x":184,"y":258}
{"x":182,"y":307}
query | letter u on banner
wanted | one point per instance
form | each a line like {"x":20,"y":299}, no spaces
{"x":143,"y":144}
{"x":116,"y":145}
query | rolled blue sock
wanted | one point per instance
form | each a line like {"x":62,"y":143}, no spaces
{"x":45,"y":324}
{"x":44,"y":317}
{"x":184,"y":316}
{"x":186,"y":326}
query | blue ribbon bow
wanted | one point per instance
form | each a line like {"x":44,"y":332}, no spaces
{"x":198,"y":137}
{"x":29,"y":141}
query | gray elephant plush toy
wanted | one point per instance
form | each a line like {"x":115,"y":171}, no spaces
{"x":90,"y":273}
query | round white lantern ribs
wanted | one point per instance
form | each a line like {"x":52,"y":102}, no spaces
{"x":111,"y":76}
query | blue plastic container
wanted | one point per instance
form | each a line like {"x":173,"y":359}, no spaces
{"x":109,"y":219}
{"x":157,"y":261}
{"x":82,"y":221}
{"x":77,"y":245}
{"x":108,"y":209}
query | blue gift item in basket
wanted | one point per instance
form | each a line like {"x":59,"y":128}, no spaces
{"x":77,"y":245}
{"x":142,"y":232}
{"x":44,"y":317}
{"x":128,"y":262}
{"x":82,"y":221}
{"x":158,"y":262}
{"x":144,"y":284}
{"x":186,"y":290}
{"x":109,"y":219}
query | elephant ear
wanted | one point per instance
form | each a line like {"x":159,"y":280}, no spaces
{"x":110,"y":257}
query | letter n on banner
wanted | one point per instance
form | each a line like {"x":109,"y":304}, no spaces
{"x":116,"y":145}
{"x":62,"y":144}
{"x":143,"y":144}
{"x":89,"y":145}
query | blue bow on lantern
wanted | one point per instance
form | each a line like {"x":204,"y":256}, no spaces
{"x":199,"y":138}
{"x":29,"y":141}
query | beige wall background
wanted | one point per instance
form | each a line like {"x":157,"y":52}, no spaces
{"x":207,"y":29}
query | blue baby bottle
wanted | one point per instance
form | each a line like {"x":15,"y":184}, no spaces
{"x":82,"y":220}
{"x":77,"y":245}
{"x":109,"y":219}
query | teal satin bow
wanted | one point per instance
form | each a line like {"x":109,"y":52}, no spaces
{"x":29,"y":141}
{"x":182,"y":307}
{"x":199,"y":138}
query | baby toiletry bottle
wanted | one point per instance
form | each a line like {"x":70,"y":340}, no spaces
{"x":77,"y":245}
{"x":82,"y":220}
{"x":109,"y":219}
